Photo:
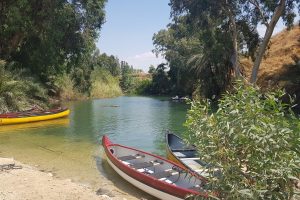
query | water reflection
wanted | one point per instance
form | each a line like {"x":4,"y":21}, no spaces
{"x":70,"y":147}
{"x":61,"y":122}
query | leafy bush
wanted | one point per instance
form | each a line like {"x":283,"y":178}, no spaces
{"x":253,"y":138}
{"x":142,"y":86}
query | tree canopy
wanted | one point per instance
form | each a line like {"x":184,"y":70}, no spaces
{"x":236,"y":16}
{"x":49,"y":36}
{"x":207,"y":39}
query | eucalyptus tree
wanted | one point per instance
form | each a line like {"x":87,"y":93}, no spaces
{"x":212,"y":16}
{"x":212,"y":57}
{"x":239,"y":17}
{"x":205,"y":32}
{"x":268,"y":13}
{"x":176,"y":44}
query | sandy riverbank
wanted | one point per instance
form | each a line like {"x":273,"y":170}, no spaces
{"x":19,"y":181}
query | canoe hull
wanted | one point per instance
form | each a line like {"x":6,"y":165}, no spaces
{"x":18,"y":120}
{"x":172,"y":157}
{"x":175,"y":142}
{"x":150,"y":190}
{"x":184,"y":155}
{"x":155,"y":187}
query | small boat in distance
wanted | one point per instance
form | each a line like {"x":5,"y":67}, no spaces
{"x":186,"y":156}
{"x":32,"y":116}
{"x":180,"y":99}
{"x":153,"y":174}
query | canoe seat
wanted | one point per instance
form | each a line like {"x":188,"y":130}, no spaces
{"x":183,"y":149}
{"x":193,"y":158}
{"x":164,"y":174}
{"x":145,"y":171}
{"x":130,"y":157}
{"x":141,"y":165}
{"x":197,"y":188}
{"x":146,"y":164}
{"x":179,"y":154}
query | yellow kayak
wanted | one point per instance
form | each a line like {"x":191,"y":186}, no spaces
{"x":32,"y":116}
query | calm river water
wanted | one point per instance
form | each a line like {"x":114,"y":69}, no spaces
{"x":70,"y":147}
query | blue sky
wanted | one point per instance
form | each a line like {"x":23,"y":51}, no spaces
{"x":129,"y":27}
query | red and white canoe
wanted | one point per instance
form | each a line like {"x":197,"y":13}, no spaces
{"x":155,"y":175}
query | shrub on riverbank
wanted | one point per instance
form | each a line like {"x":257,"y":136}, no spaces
{"x":142,"y":86}
{"x":104,"y":85}
{"x":253,"y":138}
{"x":18,"y":93}
{"x":65,"y":89}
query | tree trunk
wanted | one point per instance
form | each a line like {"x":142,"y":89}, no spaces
{"x":234,"y":57}
{"x":262,"y":48}
{"x":178,"y":78}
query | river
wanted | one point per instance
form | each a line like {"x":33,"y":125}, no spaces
{"x":71,"y":147}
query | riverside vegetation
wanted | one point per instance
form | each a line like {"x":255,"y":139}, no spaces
{"x":250,"y":135}
{"x":47,"y":49}
{"x":253,"y":139}
{"x":203,"y":48}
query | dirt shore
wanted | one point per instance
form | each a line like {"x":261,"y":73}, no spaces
{"x":20,"y":182}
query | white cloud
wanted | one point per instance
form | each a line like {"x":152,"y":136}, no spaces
{"x":144,"y":60}
{"x":147,"y":55}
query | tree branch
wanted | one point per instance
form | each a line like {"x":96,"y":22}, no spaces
{"x":262,"y":48}
{"x":261,"y":13}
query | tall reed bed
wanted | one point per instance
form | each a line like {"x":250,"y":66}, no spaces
{"x":104,"y":85}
